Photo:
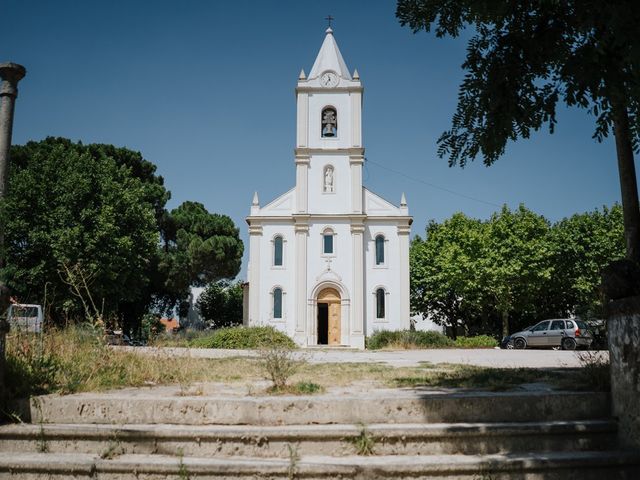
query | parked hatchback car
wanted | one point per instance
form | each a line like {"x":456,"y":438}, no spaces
{"x":565,"y":333}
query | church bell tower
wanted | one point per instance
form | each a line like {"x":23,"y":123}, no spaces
{"x":329,"y":152}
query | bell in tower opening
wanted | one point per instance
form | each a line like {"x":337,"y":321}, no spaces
{"x":329,"y":122}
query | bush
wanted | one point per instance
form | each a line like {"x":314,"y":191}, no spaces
{"x":244,"y":338}
{"x":480,"y":341}
{"x":407,"y":339}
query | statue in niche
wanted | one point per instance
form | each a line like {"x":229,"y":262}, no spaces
{"x":329,"y":123}
{"x":328,"y":179}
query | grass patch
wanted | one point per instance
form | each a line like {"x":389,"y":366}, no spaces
{"x":244,"y":338}
{"x":299,"y":388}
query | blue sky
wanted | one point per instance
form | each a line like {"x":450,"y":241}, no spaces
{"x":205,"y":90}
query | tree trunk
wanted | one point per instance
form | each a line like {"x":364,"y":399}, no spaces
{"x":628,"y":185}
{"x":505,"y":323}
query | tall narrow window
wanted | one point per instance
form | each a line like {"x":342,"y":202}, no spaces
{"x":277,"y":303}
{"x":380,"y":299}
{"x":277,"y":251}
{"x":380,"y":250}
{"x":329,"y":123}
{"x":327,"y":242}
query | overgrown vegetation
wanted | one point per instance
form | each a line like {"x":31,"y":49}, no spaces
{"x":243,"y":338}
{"x":87,"y":235}
{"x":76,"y":359}
{"x":409,"y":339}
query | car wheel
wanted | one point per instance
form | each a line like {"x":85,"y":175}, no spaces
{"x":569,"y":344}
{"x":510,"y":345}
{"x":520,"y":343}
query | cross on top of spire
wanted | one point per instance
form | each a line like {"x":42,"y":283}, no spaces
{"x":328,"y":18}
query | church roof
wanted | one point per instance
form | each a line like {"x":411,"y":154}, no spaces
{"x":329,"y":58}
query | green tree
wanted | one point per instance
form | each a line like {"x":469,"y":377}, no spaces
{"x":198,"y":248}
{"x":526,"y":56}
{"x":220,"y":304}
{"x":445,"y":280}
{"x":79,"y":226}
{"x":584,"y":244}
{"x":87,"y":224}
{"x":517,"y":264}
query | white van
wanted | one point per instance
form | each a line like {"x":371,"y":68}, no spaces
{"x":26,"y":318}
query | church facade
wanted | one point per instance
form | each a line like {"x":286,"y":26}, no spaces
{"x":329,"y":259}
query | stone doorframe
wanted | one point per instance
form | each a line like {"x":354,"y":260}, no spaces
{"x":312,"y":312}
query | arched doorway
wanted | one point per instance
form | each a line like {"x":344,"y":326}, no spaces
{"x":329,"y":317}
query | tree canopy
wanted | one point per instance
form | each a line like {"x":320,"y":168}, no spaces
{"x":523,"y":58}
{"x":86,"y":225}
{"x":513,"y":269}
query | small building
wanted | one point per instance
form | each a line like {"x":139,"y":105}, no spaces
{"x":329,"y":259}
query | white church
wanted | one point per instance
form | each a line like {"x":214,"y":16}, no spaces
{"x":329,"y":259}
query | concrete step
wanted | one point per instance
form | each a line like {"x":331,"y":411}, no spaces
{"x":336,"y":440}
{"x":147,"y":406}
{"x":549,"y":466}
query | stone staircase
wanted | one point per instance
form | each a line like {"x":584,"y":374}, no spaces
{"x":160,"y":433}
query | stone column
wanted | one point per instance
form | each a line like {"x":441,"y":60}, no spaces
{"x":623,"y":330}
{"x":302,"y":234}
{"x":11,"y":74}
{"x":357,"y":302}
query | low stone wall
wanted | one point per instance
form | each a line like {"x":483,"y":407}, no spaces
{"x":624,"y":347}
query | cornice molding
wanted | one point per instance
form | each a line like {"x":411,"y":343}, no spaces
{"x":346,"y":89}
{"x":301,"y":152}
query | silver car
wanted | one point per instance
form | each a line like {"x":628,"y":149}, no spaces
{"x":565,"y":333}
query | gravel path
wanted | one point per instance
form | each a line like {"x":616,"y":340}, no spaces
{"x":401,"y":358}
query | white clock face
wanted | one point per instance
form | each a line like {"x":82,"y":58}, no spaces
{"x":329,"y":79}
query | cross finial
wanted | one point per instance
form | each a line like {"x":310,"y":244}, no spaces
{"x":329,"y":18}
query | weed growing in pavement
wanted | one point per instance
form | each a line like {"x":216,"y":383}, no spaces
{"x":280,"y":364}
{"x":595,"y":371}
{"x":294,"y":458}
{"x":363,"y":442}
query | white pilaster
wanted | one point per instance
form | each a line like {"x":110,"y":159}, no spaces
{"x":302,"y":126}
{"x":403,"y":238}
{"x":302,"y":182}
{"x":357,"y":302}
{"x":356,"y":162}
{"x":356,"y":119}
{"x":302,"y":233}
{"x":255,"y":237}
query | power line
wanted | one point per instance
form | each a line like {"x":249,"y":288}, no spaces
{"x":432,"y":185}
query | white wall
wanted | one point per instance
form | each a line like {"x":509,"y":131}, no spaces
{"x":342,"y":103}
{"x":386,"y":276}
{"x":337,"y":202}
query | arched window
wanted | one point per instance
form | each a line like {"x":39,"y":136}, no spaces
{"x":380,"y":303}
{"x":277,"y":251}
{"x":329,"y":123}
{"x":380,"y":250}
{"x":327,"y":242}
{"x":277,"y":303}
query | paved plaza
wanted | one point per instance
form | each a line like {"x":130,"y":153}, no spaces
{"x":484,"y":357}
